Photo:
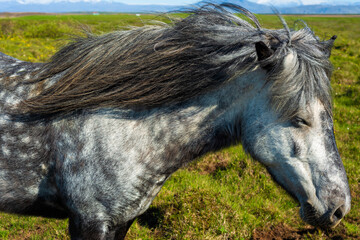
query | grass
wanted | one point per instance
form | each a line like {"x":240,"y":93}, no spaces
{"x":224,"y":195}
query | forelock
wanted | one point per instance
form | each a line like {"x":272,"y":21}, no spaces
{"x":298,"y":73}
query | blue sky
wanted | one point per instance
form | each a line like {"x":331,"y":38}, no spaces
{"x":181,"y":2}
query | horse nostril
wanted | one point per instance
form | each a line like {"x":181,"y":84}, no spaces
{"x":339,"y":213}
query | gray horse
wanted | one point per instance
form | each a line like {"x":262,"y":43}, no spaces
{"x":93,"y":134}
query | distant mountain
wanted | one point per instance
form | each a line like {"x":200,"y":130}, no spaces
{"x":293,"y":7}
{"x":322,"y":9}
{"x":109,"y":6}
{"x":280,"y":3}
{"x":251,"y":6}
{"x":65,"y":6}
{"x":299,"y":3}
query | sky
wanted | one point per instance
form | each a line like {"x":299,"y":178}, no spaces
{"x":181,"y":2}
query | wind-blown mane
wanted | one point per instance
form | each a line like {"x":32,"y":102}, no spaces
{"x":155,"y":66}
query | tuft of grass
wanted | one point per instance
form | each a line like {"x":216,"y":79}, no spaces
{"x":224,"y":195}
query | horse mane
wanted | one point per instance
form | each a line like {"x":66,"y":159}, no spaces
{"x":154,"y":66}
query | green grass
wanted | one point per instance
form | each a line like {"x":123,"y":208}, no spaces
{"x":224,"y":195}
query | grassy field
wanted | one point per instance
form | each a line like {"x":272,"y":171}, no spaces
{"x":224,"y":195}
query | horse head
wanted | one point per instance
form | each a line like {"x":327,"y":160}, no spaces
{"x":290,"y":129}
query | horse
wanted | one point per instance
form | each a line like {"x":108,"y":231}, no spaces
{"x":93,"y":134}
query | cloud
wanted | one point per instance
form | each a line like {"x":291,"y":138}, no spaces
{"x":287,"y":2}
{"x":52,"y":1}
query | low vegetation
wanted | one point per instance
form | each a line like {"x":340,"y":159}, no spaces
{"x":224,"y":195}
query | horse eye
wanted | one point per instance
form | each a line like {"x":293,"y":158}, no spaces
{"x":299,"y":122}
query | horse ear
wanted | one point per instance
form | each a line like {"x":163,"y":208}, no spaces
{"x":262,"y":51}
{"x":328,"y":45}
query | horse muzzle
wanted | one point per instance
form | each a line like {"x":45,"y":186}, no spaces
{"x":330,"y":219}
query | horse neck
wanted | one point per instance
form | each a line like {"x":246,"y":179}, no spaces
{"x":168,"y":137}
{"x":232,"y":103}
{"x":211,"y":121}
